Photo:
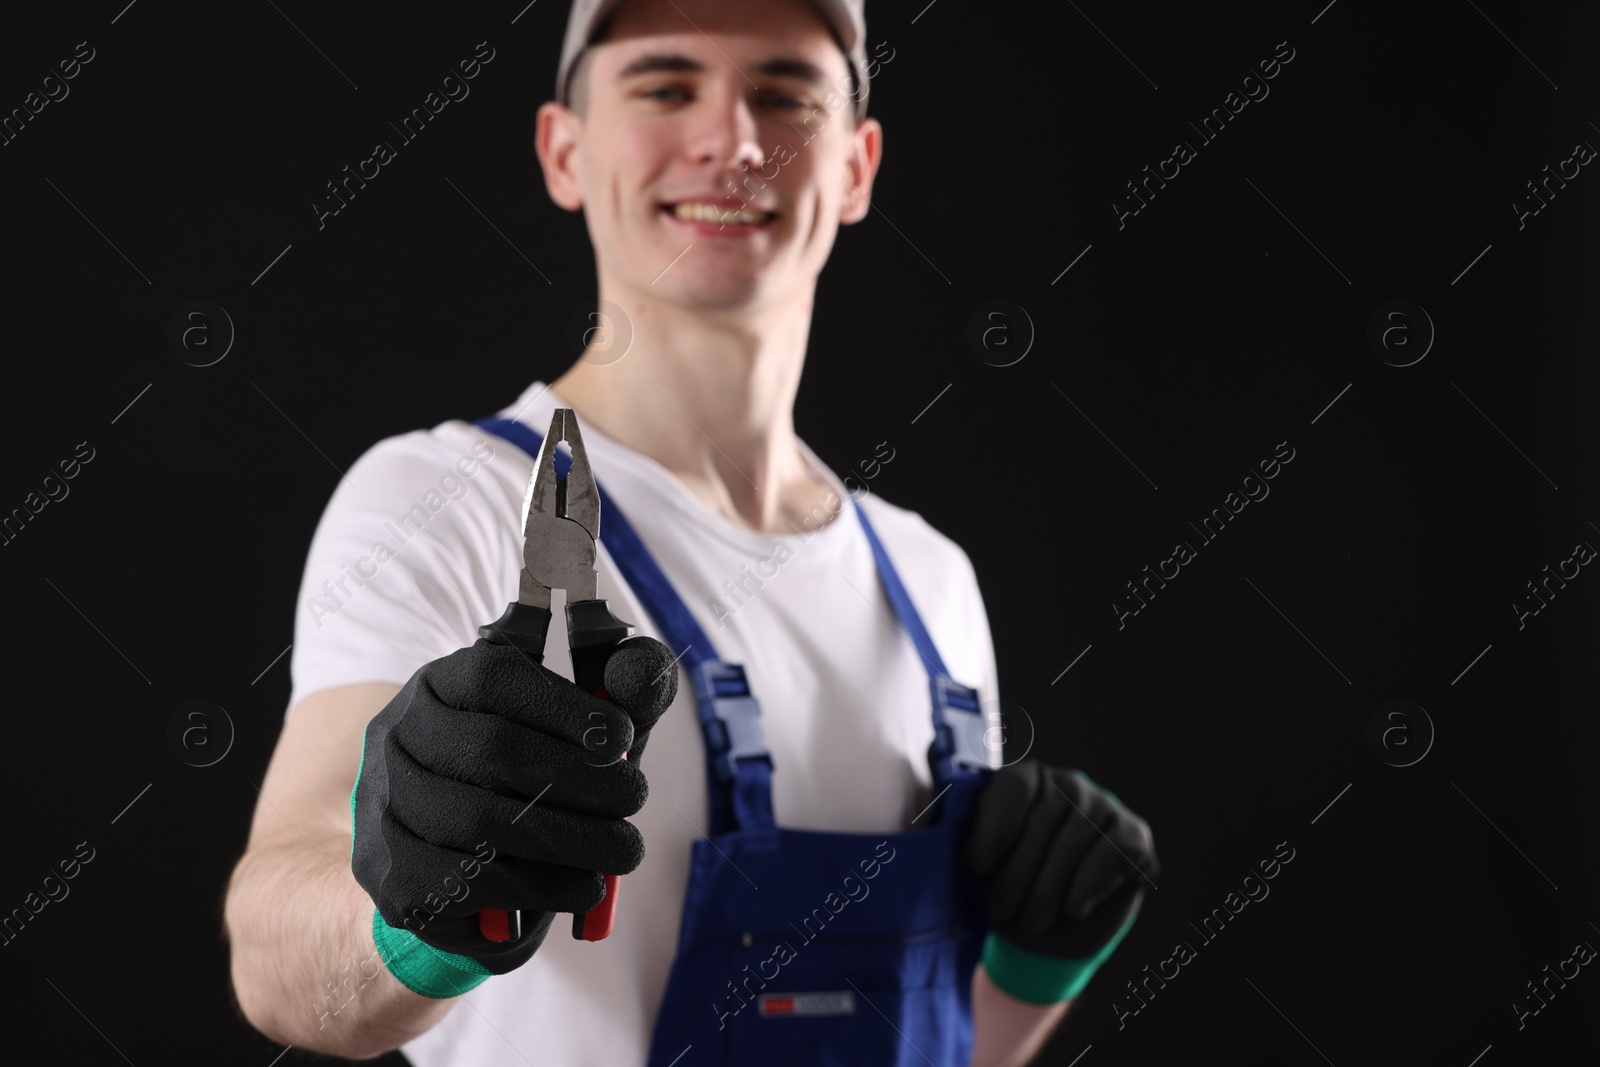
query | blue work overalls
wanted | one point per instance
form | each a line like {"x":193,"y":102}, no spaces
{"x":801,"y":946}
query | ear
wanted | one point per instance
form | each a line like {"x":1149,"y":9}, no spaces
{"x":866,"y":152}
{"x":557,"y":131}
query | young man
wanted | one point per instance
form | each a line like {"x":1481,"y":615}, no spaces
{"x":859,"y":862}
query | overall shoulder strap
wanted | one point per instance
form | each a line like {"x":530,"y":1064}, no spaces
{"x":958,"y":752}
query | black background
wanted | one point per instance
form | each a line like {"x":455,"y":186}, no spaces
{"x":1230,"y":712}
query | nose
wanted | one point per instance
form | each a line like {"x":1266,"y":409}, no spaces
{"x":722,"y":132}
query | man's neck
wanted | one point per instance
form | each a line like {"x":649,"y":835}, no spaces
{"x":711,"y":398}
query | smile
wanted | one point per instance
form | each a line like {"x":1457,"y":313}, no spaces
{"x":711,"y":213}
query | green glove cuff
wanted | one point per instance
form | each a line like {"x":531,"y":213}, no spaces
{"x":422,"y":968}
{"x":1041,"y":979}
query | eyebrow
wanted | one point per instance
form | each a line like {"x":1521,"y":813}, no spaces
{"x":779,"y":67}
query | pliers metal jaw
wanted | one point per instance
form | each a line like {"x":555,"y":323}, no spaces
{"x":560,"y":520}
{"x":561,"y":528}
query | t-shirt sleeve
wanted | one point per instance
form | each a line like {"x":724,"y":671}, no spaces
{"x":409,"y":558}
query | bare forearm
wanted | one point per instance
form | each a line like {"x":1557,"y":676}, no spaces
{"x":304,"y":967}
{"x":1008,"y":1032}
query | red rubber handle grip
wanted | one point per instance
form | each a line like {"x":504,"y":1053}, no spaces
{"x":595,"y":924}
{"x":494,"y":924}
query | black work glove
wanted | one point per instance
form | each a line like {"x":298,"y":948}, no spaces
{"x":493,"y":782}
{"x":1064,"y":866}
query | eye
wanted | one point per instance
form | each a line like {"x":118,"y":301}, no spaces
{"x":651,"y":94}
{"x":785,"y":102}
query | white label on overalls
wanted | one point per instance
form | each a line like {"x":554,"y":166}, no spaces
{"x":782,"y":1005}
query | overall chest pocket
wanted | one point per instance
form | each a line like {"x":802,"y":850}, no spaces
{"x":832,"y":999}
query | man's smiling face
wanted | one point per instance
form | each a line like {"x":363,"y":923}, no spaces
{"x":712,"y":102}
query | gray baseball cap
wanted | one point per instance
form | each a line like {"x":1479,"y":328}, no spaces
{"x":845,"y":18}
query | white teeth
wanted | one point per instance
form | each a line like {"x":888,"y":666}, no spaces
{"x":713,"y":213}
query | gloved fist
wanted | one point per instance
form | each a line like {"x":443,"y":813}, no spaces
{"x":1064,"y":865}
{"x":493,"y":782}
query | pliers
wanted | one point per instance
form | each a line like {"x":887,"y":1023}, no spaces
{"x":560,"y":525}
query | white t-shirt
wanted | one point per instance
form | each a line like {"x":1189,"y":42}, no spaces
{"x":430,"y":521}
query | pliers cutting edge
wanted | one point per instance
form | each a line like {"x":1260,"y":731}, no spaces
{"x":560,"y":526}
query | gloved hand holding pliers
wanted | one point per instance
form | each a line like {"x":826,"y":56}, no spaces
{"x":493,"y":792}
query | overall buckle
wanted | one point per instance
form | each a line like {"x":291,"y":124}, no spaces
{"x":958,"y":725}
{"x":735,"y":729}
